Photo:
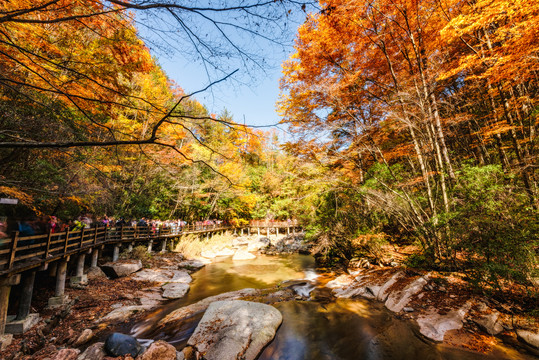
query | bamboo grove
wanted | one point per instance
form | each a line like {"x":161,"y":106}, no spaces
{"x":425,"y":111}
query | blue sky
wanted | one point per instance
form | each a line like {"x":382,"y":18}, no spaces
{"x":254,"y":103}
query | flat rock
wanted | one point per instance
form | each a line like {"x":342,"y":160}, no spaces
{"x":122,"y":314}
{"x":340,"y":281}
{"x":67,"y":354}
{"x":159,"y":350}
{"x":489,"y":323}
{"x":225,"y":252}
{"x":121,"y":268}
{"x":235,"y":329}
{"x":243,"y":255}
{"x":175,"y":290}
{"x":208,"y":254}
{"x":397,"y":300}
{"x":163,"y":276}
{"x":94,"y":352}
{"x":382,"y":293}
{"x":187,"y":311}
{"x":434,"y":326}
{"x":95,"y":272}
{"x":193,"y":264}
{"x":529,"y":337}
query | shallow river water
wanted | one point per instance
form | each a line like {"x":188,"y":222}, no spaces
{"x":342,"y":329}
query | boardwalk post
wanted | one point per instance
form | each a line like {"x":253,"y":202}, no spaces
{"x":47,"y":249}
{"x":12,"y":251}
{"x":5,"y":289}
{"x":95,"y":257}
{"x":79,"y":277}
{"x":59,"y":297}
{"x":95,"y":236}
{"x":116,"y":253}
{"x":66,"y":240}
{"x":164,"y":246}
{"x":130,"y":247}
{"x":81,"y":238}
{"x":23,"y":321}
{"x":28,"y":279}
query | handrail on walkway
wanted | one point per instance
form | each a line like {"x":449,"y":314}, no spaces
{"x":19,"y":253}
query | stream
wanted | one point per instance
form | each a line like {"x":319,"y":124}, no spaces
{"x":311,"y":330}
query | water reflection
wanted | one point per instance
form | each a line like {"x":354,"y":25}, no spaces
{"x":350,"y":329}
{"x":311,"y":330}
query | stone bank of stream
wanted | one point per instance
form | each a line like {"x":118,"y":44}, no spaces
{"x":327,"y":328}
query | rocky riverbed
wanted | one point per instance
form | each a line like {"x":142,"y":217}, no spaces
{"x":240,"y":323}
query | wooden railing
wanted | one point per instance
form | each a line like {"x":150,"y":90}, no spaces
{"x":28,"y":250}
{"x":18,"y":253}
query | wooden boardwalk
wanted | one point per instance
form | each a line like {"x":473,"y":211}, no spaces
{"x":22,"y":257}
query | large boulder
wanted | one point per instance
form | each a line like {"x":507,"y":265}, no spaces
{"x":95,"y":272}
{"x":397,"y":300}
{"x":188,"y":311}
{"x":225,"y":252}
{"x":490,"y":323}
{"x":118,"y":344}
{"x":243,"y":255}
{"x":434,"y":325}
{"x":94,"y":352}
{"x":121,"y":268}
{"x":175,"y":290}
{"x":529,"y":337}
{"x":258,"y":244}
{"x":163,"y":276}
{"x":230,"y":330}
{"x":159,"y":350}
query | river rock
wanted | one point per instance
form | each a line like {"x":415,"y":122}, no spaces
{"x":163,"y":276}
{"x":175,"y":290}
{"x":434,"y":326}
{"x":122,"y":314}
{"x":397,"y":300}
{"x":121,"y":268}
{"x":159,"y":350}
{"x":529,"y":337}
{"x":118,"y":344}
{"x":225,"y":252}
{"x":94,"y":352}
{"x":188,"y":311}
{"x":340,"y":281}
{"x":95,"y":272}
{"x":382,"y":293}
{"x":243,"y":255}
{"x":258,"y":244}
{"x":208,"y":254}
{"x":84,"y":337}
{"x":230,"y":330}
{"x":67,"y":354}
{"x":193,"y":264}
{"x":489,"y":323}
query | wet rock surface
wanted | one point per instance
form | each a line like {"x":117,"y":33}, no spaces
{"x":231,"y":330}
{"x":121,"y":268}
{"x":118,"y":344}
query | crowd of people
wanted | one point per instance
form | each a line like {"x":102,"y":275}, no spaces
{"x":44,"y":224}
